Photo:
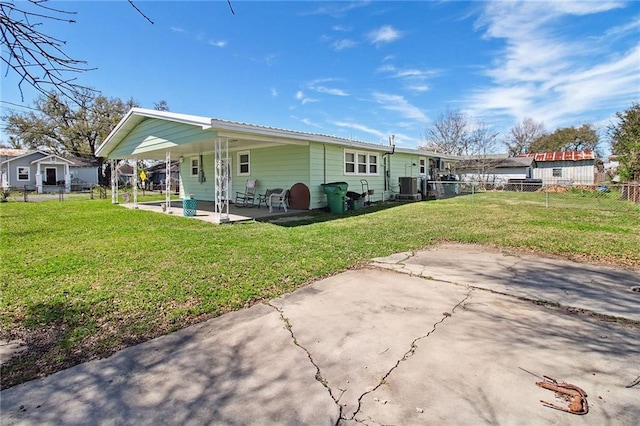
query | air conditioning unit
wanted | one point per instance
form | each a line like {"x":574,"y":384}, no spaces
{"x":408,"y":185}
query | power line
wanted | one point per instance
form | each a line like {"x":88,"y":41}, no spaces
{"x":19,"y":106}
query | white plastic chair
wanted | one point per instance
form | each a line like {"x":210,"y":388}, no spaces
{"x":277,"y":197}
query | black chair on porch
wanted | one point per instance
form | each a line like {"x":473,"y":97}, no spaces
{"x":248,"y":197}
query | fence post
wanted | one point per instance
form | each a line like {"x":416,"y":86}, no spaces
{"x":546,"y":191}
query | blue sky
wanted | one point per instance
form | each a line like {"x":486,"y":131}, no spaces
{"x":361,"y":70}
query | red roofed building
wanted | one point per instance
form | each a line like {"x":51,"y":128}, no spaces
{"x":565,"y":168}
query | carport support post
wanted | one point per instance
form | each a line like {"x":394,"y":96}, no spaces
{"x":135,"y":183}
{"x":114,"y":182}
{"x":167,"y":182}
{"x":221,"y":179}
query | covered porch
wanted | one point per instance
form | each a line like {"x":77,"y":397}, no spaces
{"x":210,"y":154}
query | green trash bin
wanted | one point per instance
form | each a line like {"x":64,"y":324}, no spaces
{"x":189,"y":206}
{"x":336,"y":196}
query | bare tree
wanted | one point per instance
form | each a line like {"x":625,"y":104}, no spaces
{"x":481,"y":139}
{"x":522,"y":135}
{"x":449,"y":134}
{"x":35,"y":56}
{"x":456,"y":133}
{"x":481,"y":144}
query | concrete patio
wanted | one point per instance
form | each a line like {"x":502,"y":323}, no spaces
{"x":206,"y":211}
{"x":453,"y":334}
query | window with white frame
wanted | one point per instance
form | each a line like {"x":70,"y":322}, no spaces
{"x":349,"y":162}
{"x":195,"y":166}
{"x":423,"y":166}
{"x":24,"y":173}
{"x":557,"y":172}
{"x":373,"y":164}
{"x":244,"y":163}
{"x":360,"y":163}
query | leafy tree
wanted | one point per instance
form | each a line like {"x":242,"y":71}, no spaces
{"x":571,"y":138}
{"x":66,"y":127}
{"x":625,"y":142}
{"x":522,"y":135}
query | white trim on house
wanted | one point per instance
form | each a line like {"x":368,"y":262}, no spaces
{"x":194,"y":166}
{"x":361,"y":163}
{"x":18,"y":173}
{"x":244,"y":166}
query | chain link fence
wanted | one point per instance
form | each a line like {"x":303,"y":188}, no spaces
{"x":612,"y":197}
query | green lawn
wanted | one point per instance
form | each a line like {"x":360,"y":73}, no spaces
{"x":83,"y":278}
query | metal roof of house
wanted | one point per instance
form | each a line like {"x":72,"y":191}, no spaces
{"x":562,"y":156}
{"x":12,"y":152}
{"x":238,"y":129}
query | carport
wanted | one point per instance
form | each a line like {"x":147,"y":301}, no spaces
{"x":159,"y":135}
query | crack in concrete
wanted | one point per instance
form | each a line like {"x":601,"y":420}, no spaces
{"x":318,"y":375}
{"x":409,"y":353}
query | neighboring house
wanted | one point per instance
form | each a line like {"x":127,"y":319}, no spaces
{"x":565,"y":168}
{"x":45,"y":172}
{"x":37,"y":170}
{"x":157,"y":174}
{"x":209,"y":149}
{"x":495,"y":170}
{"x":125,"y":173}
{"x":83,"y":173}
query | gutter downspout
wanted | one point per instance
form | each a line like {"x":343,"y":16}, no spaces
{"x":324,"y":152}
{"x":387,"y":163}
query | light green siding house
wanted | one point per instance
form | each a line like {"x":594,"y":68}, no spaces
{"x":275,"y":158}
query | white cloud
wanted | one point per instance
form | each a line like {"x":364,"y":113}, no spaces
{"x":360,"y":128}
{"x":340,"y":28}
{"x":399,"y":104}
{"x":418,"y":88}
{"x":217,"y":43}
{"x":303,"y":98}
{"x":545,"y":74}
{"x":384,"y":34}
{"x":274,"y":92}
{"x":177,"y":29}
{"x":306,"y":121}
{"x":344,"y":44}
{"x":633,"y":26}
{"x":413,"y":78}
{"x":337,"y":9}
{"x":319,"y":86}
{"x":330,"y":91}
